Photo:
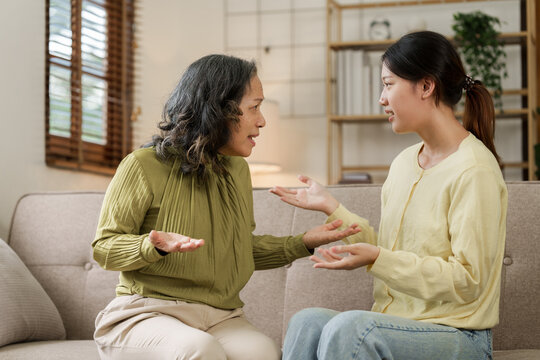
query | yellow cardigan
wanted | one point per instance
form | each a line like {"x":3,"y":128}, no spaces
{"x":441,"y":238}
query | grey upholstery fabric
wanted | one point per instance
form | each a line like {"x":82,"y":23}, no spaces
{"x":28,"y":314}
{"x":521,"y":272}
{"x":517,"y":355}
{"x":52,"y":233}
{"x":519,"y":326}
{"x":337,"y":290}
{"x":62,"y":225}
{"x":51,"y":350}
{"x":267,"y":314}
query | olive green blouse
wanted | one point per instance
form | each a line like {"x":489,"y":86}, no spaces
{"x":148,"y":194}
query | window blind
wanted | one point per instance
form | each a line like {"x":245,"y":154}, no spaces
{"x":89,"y":83}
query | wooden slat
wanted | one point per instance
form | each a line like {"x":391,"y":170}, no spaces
{"x":58,"y":145}
{"x":76,"y":73}
{"x":328,"y":82}
{"x":74,"y":152}
{"x":520,"y":165}
{"x":92,"y":168}
{"x":505,"y":114}
{"x":358,"y":118}
{"x":366,"y":168}
{"x":375,"y":167}
{"x":402,"y":3}
{"x":513,"y":38}
{"x":532,"y":73}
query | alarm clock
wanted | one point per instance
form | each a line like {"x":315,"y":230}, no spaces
{"x":379,"y":29}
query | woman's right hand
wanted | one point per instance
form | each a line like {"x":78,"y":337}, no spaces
{"x":314,"y":197}
{"x":172,"y":242}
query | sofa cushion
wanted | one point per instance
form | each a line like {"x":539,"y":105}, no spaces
{"x":64,"y":225}
{"x":517,"y":354}
{"x":51,"y":350}
{"x":28,"y":314}
{"x":519,"y":326}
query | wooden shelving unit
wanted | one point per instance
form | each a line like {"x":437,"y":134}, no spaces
{"x":526,"y":39}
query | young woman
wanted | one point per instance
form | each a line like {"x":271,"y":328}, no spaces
{"x":437,"y":256}
{"x":177,"y":222}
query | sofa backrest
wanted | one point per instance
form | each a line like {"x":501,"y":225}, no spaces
{"x":301,"y":285}
{"x":52,"y":233}
{"x":519,"y":326}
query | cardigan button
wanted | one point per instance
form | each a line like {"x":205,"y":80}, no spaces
{"x":508,"y":260}
{"x":88,"y":266}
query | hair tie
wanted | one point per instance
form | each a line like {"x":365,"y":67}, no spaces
{"x":469,"y":83}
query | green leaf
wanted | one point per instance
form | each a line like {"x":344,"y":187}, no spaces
{"x":483,"y":53}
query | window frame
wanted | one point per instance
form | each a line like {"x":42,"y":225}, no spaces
{"x":73,"y":152}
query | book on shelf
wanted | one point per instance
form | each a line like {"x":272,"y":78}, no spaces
{"x":376,"y":82}
{"x":366,"y":87}
{"x":355,"y":83}
{"x":355,"y":178}
{"x":340,"y":86}
{"x":358,"y":83}
{"x":351,"y":71}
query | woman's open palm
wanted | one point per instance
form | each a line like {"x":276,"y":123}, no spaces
{"x":172,"y":242}
{"x":314,"y":197}
{"x":358,"y":255}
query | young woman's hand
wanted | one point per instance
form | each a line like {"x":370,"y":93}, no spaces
{"x":171,"y":242}
{"x":360,"y":254}
{"x":314,"y":197}
{"x":327,"y":233}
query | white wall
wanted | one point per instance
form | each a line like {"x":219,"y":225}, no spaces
{"x":22,"y":99}
{"x":175,"y":33}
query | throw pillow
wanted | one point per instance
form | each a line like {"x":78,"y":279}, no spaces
{"x":27,"y":312}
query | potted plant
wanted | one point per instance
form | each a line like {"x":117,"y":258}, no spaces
{"x":483,"y":53}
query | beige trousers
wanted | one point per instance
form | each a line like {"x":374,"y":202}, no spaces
{"x":134,"y":327}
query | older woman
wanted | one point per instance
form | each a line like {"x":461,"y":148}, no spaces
{"x":177,"y":222}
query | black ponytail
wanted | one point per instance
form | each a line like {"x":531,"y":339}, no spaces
{"x":479,"y":115}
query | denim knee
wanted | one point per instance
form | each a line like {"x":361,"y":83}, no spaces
{"x":312,"y":318}
{"x":350,"y":322}
{"x":303,"y":333}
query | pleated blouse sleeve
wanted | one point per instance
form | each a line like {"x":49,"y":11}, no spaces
{"x":118,"y":245}
{"x":269,"y":251}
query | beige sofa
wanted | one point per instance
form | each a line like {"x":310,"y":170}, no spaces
{"x":51,"y":233}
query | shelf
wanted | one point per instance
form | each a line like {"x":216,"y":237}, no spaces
{"x":525,"y":39}
{"x":358,"y":118}
{"x":519,"y":165}
{"x":523,"y":92}
{"x":514,"y":38}
{"x":506,"y":114}
{"x":401,"y":3}
{"x":364,"y":168}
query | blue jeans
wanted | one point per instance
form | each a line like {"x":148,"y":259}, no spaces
{"x":317,"y":333}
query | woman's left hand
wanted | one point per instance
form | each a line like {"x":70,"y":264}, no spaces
{"x":327,"y":233}
{"x":360,"y":254}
